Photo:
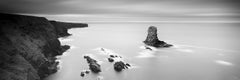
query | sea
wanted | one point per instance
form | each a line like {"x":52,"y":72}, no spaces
{"x":200,"y":51}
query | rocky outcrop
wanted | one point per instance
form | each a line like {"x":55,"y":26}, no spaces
{"x":119,"y":66}
{"x":93,"y":65}
{"x":64,"y":48}
{"x":110,"y":59}
{"x":28,"y":46}
{"x":84,"y":72}
{"x":62,"y":27}
{"x":152,"y":39}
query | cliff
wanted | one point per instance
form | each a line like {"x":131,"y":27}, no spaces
{"x":64,"y":26}
{"x":28,"y":46}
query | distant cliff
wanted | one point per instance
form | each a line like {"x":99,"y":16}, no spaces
{"x":28,"y":46}
{"x":62,"y":31}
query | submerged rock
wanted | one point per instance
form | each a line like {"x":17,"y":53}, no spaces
{"x":110,"y":59}
{"x":119,"y":66}
{"x":93,"y":65}
{"x":152,"y":39}
{"x":115,"y":56}
{"x":87,"y":71}
{"x":82,"y":74}
{"x":112,"y":56}
{"x":146,"y":47}
{"x":128,"y":65}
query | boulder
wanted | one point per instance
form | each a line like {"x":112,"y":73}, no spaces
{"x":82,"y":74}
{"x":119,"y":66}
{"x":93,"y":65}
{"x":115,"y":56}
{"x":152,"y":39}
{"x":110,"y":59}
{"x":87,"y":71}
{"x":112,"y":56}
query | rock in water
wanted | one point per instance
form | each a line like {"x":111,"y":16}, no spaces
{"x":93,"y":65}
{"x":127,"y":64}
{"x":110,"y":59}
{"x":119,"y":66}
{"x":152,"y":39}
{"x":82,"y":74}
{"x":112,"y":56}
{"x":146,"y":47}
{"x":87,"y":71}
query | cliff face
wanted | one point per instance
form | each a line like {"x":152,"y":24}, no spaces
{"x":28,"y":46}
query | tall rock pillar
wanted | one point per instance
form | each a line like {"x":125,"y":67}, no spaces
{"x":152,"y":39}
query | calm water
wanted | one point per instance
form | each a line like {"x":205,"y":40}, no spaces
{"x":201,"y":52}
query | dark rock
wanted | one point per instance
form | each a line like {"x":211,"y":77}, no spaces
{"x":93,"y":65}
{"x":82,"y":74}
{"x":85,"y":57}
{"x":65,"y":48}
{"x":110,"y":59}
{"x":119,"y":66}
{"x":112,"y":56}
{"x":152,"y":39}
{"x":90,"y":60}
{"x":87,"y":71}
{"x":148,"y":48}
{"x":128,"y":65}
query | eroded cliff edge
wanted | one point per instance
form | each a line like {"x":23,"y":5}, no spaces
{"x":28,"y":46}
{"x":64,"y":26}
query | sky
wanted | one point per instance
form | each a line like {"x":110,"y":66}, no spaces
{"x":122,"y":10}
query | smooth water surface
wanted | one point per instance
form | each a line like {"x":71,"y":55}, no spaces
{"x":201,"y":51}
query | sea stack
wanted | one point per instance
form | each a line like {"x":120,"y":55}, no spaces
{"x":152,"y":39}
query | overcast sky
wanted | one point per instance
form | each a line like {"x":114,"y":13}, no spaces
{"x":123,"y":8}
